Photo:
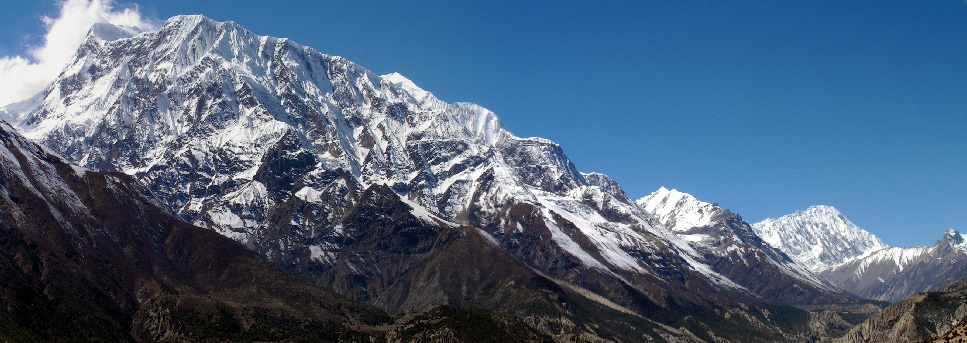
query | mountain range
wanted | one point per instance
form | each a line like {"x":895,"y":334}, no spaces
{"x":370,"y":186}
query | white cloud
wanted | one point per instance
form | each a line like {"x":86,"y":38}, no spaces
{"x":22,"y":77}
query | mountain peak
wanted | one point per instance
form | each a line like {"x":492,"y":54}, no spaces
{"x":109,"y":32}
{"x":818,"y":237}
{"x":673,"y":193}
{"x":395,"y":77}
{"x":827,"y":208}
{"x":269,"y":142}
{"x":820,"y":210}
{"x":407,"y":86}
{"x":188,"y":20}
{"x":259,"y":120}
{"x":678,"y":210}
{"x":951,"y":238}
{"x":675,"y":196}
{"x":725,"y":237}
{"x":894,"y":273}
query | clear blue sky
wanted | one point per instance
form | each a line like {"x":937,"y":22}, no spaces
{"x":764,"y":107}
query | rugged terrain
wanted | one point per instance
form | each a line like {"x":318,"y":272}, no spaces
{"x":89,"y":256}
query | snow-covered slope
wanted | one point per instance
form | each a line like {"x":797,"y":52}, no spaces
{"x":733,"y":247}
{"x":356,"y":180}
{"x":894,"y":273}
{"x":818,"y":237}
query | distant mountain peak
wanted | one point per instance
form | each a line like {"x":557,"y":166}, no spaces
{"x":189,"y":20}
{"x":825,"y":210}
{"x":818,"y":237}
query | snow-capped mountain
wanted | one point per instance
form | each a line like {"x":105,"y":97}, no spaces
{"x":363,"y":182}
{"x":818,"y":237}
{"x":895,"y":273}
{"x":729,"y":241}
{"x":679,"y":211}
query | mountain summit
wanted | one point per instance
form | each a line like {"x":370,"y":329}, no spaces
{"x":818,"y":237}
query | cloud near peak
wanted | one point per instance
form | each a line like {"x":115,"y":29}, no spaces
{"x":24,"y":76}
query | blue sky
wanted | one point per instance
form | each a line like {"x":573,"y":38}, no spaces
{"x":763,"y":107}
